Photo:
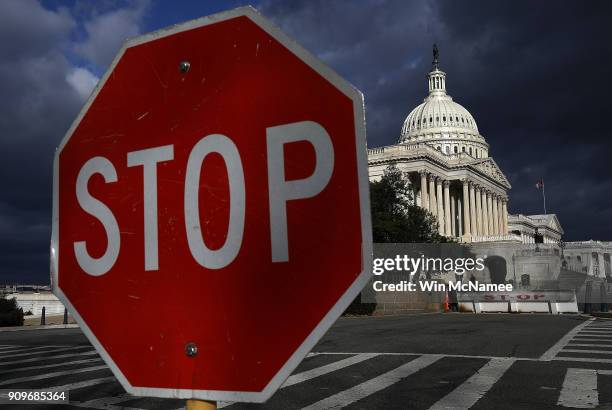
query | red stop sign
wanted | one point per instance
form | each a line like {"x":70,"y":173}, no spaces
{"x":211,"y":215}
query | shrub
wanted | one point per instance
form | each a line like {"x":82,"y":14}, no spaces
{"x":10,"y":313}
{"x":358,"y":308}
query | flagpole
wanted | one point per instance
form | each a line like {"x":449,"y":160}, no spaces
{"x":544,"y":195}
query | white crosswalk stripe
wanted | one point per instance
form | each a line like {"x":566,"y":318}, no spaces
{"x":46,"y":366}
{"x":597,"y":329}
{"x":29,"y":349}
{"x":582,"y":359}
{"x":319,"y":371}
{"x":572,"y":344}
{"x":582,"y":344}
{"x":608,"y":328}
{"x":593,"y":334}
{"x":51,"y":375}
{"x":586,"y":351}
{"x":591,"y":339}
{"x":82,"y":384}
{"x":579,"y":389}
{"x":59,"y":356}
{"x":39,"y":352}
{"x":105,"y":402}
{"x":374,"y":385}
{"x":554,"y":350}
{"x":466,"y":395}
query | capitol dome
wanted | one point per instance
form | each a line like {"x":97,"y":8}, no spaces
{"x":442,"y":123}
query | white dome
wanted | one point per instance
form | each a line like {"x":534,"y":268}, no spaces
{"x":443,"y":123}
{"x":438,"y":113}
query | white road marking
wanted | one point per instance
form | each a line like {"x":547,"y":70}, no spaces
{"x":108,"y":403}
{"x":552,"y":352}
{"x":104,"y":402}
{"x":582,"y":359}
{"x":63,"y":349}
{"x":328,"y":368}
{"x":586,"y":351}
{"x":27,"y":349}
{"x":472,"y":390}
{"x":593,"y":334}
{"x":579,"y":389}
{"x":59,"y":356}
{"x":45,"y":366}
{"x":572,"y":344}
{"x":529,"y":359}
{"x":53,"y":374}
{"x":597,"y":329}
{"x":346,"y":397}
{"x":318,"y":371}
{"x":80,"y":385}
{"x":590,"y":339}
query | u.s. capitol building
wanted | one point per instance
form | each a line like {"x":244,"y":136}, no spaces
{"x":452,"y":174}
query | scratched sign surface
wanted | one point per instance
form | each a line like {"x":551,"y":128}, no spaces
{"x":211,"y":215}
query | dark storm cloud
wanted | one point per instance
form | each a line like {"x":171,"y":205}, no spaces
{"x":533,"y":74}
{"x":41,"y":95}
{"x":35,"y":108}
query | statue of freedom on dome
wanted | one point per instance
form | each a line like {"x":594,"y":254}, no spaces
{"x":436,"y":54}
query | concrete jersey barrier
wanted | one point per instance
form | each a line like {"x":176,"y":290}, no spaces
{"x":554,"y":302}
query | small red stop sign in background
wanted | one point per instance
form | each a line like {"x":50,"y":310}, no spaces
{"x":211,"y":198}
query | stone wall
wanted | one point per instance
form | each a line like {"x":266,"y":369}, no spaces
{"x":34,"y":302}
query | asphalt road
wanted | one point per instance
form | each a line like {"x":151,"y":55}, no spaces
{"x":434,"y":361}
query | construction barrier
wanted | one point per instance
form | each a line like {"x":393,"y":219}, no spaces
{"x":555,"y":302}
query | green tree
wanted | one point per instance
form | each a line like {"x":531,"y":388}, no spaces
{"x":396,"y":219}
{"x":395,"y":216}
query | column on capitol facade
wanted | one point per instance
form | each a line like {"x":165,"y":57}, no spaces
{"x":440,"y":203}
{"x":453,"y":212}
{"x":424,"y":197}
{"x":432,"y":195}
{"x":477,"y":194}
{"x":490,"y":212}
{"x":459,"y":218}
{"x":466,"y":208}
{"x":500,"y":219}
{"x":472,"y":211}
{"x":505,"y":214}
{"x":496,"y":229}
{"x":447,"y":211}
{"x":494,"y":214}
{"x":485,"y":213}
{"x":502,"y":228}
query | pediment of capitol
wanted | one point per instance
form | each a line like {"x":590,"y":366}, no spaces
{"x":460,"y":163}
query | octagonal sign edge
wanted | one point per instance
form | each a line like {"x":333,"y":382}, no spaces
{"x":362,"y":177}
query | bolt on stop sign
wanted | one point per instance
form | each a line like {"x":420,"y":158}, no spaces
{"x":211,"y":215}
